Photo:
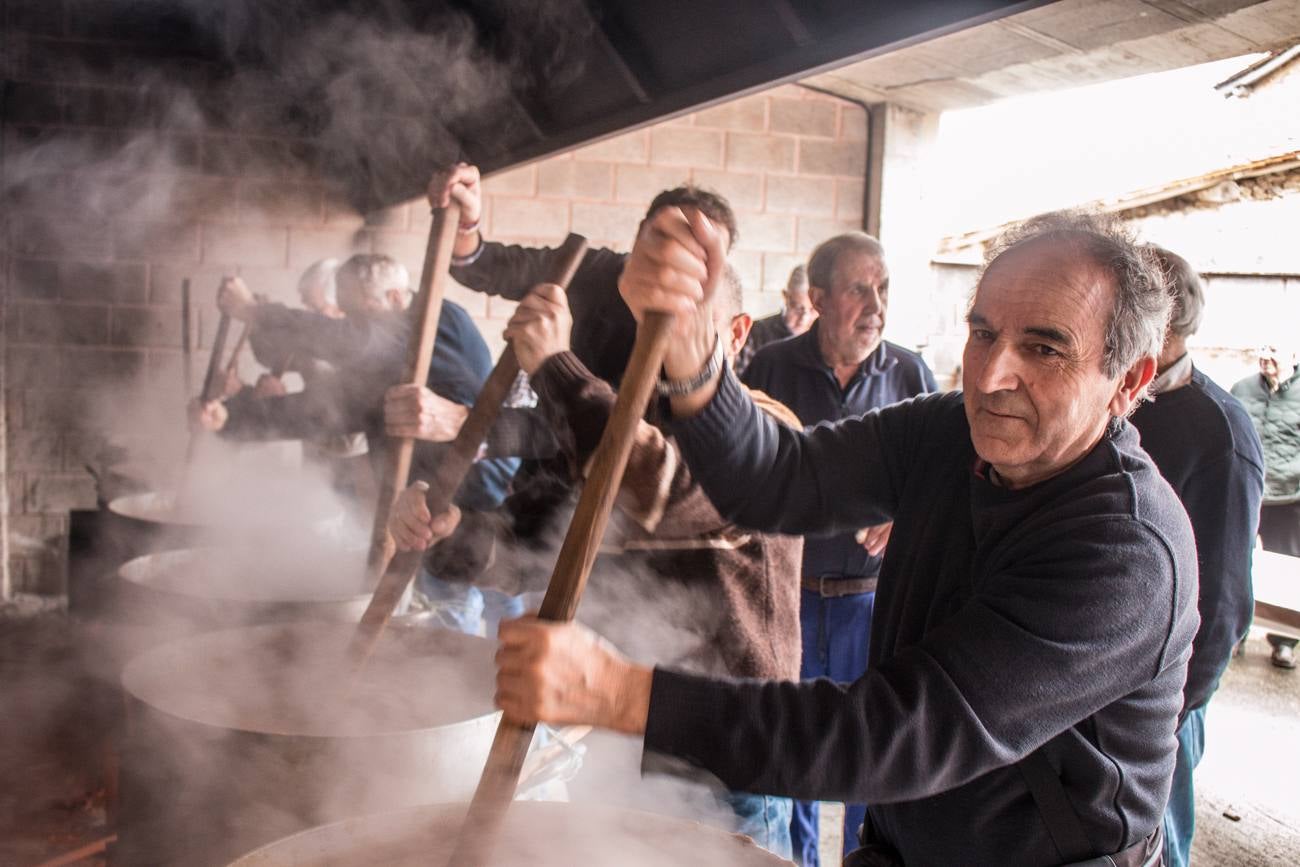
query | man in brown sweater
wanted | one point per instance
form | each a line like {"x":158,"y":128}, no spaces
{"x":676,"y":583}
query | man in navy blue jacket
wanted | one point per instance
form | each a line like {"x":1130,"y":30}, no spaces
{"x":839,"y":368}
{"x":1219,"y":476}
{"x":1037,"y":600}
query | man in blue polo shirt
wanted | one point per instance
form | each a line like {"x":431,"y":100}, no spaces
{"x":840,"y":367}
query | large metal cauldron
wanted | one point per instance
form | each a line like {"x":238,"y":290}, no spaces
{"x":239,"y":737}
{"x":197,"y":589}
{"x":535,"y":833}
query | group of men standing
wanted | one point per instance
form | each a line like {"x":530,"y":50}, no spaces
{"x":990,"y":598}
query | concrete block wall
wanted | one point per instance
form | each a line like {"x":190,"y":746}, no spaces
{"x":791,"y":162}
{"x":113,"y":195}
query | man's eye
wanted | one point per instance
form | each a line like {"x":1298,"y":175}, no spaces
{"x":981,"y":334}
{"x":1045,"y":350}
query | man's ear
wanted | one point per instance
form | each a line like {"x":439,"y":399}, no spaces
{"x":397,"y":299}
{"x":739,"y":332}
{"x":817,"y":297}
{"x":1132,"y":386}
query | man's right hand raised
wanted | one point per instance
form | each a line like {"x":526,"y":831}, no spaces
{"x":461,"y":183}
{"x":677,"y":264}
{"x":235,"y":299}
{"x":417,"y":412}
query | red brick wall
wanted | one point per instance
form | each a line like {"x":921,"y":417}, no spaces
{"x":91,"y":267}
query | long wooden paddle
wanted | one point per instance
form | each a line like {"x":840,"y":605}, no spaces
{"x":496,"y":788}
{"x":428,"y":307}
{"x":212,"y":386}
{"x":454,"y":467}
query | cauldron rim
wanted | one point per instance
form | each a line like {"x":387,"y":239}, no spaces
{"x":136,"y":680}
{"x":133,"y":571}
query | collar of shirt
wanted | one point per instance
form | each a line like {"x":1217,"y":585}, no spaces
{"x":810,"y":355}
{"x":1175,"y":376}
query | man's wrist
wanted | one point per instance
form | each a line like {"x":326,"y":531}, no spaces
{"x":468,"y":247}
{"x":632,"y":699}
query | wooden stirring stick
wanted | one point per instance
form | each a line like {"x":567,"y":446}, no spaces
{"x":428,"y":306}
{"x":496,"y":788}
{"x":212,"y":387}
{"x":453,"y":468}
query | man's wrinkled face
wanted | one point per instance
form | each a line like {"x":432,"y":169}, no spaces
{"x":798,"y":312}
{"x":852,"y":310}
{"x":1035,"y":394}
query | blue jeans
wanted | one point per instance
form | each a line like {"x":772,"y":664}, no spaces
{"x":836,"y":631}
{"x":763,"y":818}
{"x":466,"y":608}
{"x":1180,"y":812}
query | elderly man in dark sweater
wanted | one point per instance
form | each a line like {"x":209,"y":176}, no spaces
{"x":796,"y":317}
{"x":1219,"y":476}
{"x":841,"y":367}
{"x":1037,"y":601}
{"x":673,"y":566}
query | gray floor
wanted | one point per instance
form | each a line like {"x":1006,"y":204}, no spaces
{"x":1247,"y":809}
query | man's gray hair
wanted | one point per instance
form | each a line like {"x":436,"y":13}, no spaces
{"x":320,"y":274}
{"x":821,"y":264}
{"x":374,"y":273}
{"x":797,"y":284}
{"x":1137,"y":323}
{"x":1185,"y":289}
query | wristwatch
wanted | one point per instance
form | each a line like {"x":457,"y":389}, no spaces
{"x":681,"y":387}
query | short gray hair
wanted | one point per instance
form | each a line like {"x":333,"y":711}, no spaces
{"x":1136,"y":327}
{"x":797,"y":284}
{"x":821,"y":264}
{"x":374,"y":274}
{"x":1185,"y":291}
{"x":320,"y":274}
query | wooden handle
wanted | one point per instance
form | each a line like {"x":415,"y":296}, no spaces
{"x":500,"y":777}
{"x":212,"y":384}
{"x":233,"y":364}
{"x":455,"y":465}
{"x":187,"y":339}
{"x":428,"y":305}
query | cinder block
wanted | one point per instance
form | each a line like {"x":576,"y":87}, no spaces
{"x":777,"y":268}
{"x":765,"y":153}
{"x":32,"y":103}
{"x":749,"y":265}
{"x":812,"y":231}
{"x":35,"y":450}
{"x":806,"y":117}
{"x":59,"y":408}
{"x":801,"y":195}
{"x":282,"y":202}
{"x":638,"y":185}
{"x":165,"y":282}
{"x":632,"y":147}
{"x":35,"y":279}
{"x":146,"y":326}
{"x":84,"y":324}
{"x":853,"y":123}
{"x":767,"y":232}
{"x":397,"y":217}
{"x":311,"y":245}
{"x":60,"y":236}
{"x":744,"y":191}
{"x":34,"y":366}
{"x":516,"y":182}
{"x":15,"y":410}
{"x":748,"y":114}
{"x":573,"y":179}
{"x":116,"y":282}
{"x":83,"y":367}
{"x":682,"y":146}
{"x":61,"y":492}
{"x":832,"y":157}
{"x":475,"y":303}
{"x":246,"y":245}
{"x":535,"y":218}
{"x":159,"y":240}
{"x":212,"y":200}
{"x":849,"y":196}
{"x":607,"y":223}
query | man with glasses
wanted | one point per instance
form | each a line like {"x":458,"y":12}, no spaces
{"x":796,"y":317}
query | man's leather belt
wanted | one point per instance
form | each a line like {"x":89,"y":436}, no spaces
{"x":832,"y":586}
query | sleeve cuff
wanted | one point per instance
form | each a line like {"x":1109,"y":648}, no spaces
{"x":559,"y":376}
{"x":717,"y":421}
{"x":466,"y":261}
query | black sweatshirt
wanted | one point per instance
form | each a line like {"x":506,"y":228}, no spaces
{"x":1204,"y":444}
{"x":1059,"y":617}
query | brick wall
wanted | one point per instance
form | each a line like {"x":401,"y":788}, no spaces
{"x":790,"y":161}
{"x":114,"y":195}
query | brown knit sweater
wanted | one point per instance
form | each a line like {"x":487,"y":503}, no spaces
{"x":671,"y":568}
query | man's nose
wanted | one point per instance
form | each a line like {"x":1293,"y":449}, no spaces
{"x":1000,"y":371}
{"x":871,"y":300}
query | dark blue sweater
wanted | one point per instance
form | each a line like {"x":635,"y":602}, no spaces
{"x":1058,"y":618}
{"x":1205,"y":446}
{"x":793,"y":372}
